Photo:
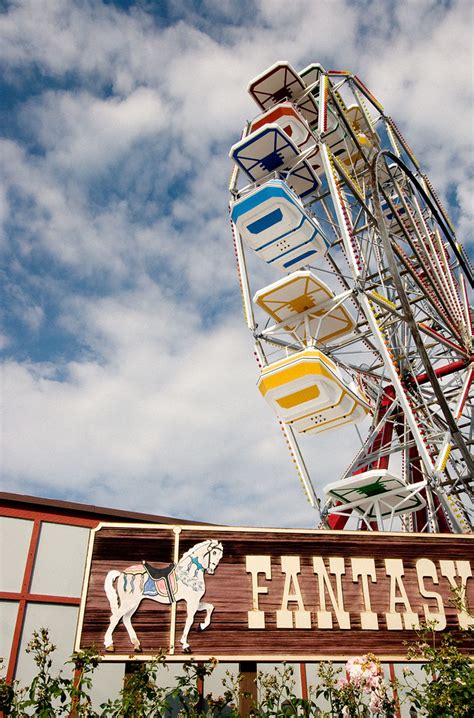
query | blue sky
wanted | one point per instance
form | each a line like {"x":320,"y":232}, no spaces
{"x":128,"y":376}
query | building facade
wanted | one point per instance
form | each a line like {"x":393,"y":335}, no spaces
{"x":43,"y":549}
{"x":43,"y":558}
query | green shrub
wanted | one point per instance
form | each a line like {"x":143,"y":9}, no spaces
{"x":358,"y":690}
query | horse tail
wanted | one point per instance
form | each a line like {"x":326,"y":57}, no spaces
{"x":111,"y":591}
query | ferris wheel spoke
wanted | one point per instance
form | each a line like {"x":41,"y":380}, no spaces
{"x":443,"y":222}
{"x":421,"y":276}
{"x":456,"y":435}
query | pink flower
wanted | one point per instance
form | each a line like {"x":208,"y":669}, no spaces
{"x":375,"y":703}
{"x":354,"y":669}
{"x":374,"y":682}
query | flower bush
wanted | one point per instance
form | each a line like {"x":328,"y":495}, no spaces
{"x":358,"y":690}
{"x":447,"y":688}
{"x":361,"y":691}
{"x":365,"y":679}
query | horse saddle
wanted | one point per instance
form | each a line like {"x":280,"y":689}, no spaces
{"x":156,"y":573}
{"x":160,"y":576}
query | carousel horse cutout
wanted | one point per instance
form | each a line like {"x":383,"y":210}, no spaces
{"x":126,"y":589}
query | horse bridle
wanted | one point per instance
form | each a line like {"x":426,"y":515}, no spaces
{"x":213,"y":545}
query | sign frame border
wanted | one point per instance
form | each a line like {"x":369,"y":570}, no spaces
{"x":230,"y":658}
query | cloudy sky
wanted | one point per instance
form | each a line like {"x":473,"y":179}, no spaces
{"x":128,"y":376}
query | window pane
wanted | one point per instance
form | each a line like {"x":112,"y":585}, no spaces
{"x":8,"y":613}
{"x":61,"y":622}
{"x":314,"y":681}
{"x":214,"y":683}
{"x":60,"y":560}
{"x":107,"y":682}
{"x":15,"y":535}
{"x":294,"y":680}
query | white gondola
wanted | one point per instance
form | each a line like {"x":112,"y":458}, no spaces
{"x":272,"y":221}
{"x":310,"y":76}
{"x":282,"y":82}
{"x":390,"y":213}
{"x":265,"y":150}
{"x":341,"y":143}
{"x":292,"y":121}
{"x":304,"y":305}
{"x":376,"y":495}
{"x":286,"y":116}
{"x":307,"y":391}
{"x":270,"y":149}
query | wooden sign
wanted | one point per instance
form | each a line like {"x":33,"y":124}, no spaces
{"x":261,"y":594}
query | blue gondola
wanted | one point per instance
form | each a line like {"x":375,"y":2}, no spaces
{"x":273,"y":222}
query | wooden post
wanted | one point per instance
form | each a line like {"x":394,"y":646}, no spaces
{"x":200,"y":688}
{"x":393,"y":678}
{"x":248,"y":687}
{"x":304,"y":681}
{"x":76,"y":681}
{"x":132,"y":667}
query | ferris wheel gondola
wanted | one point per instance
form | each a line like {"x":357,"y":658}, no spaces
{"x":372,"y":316}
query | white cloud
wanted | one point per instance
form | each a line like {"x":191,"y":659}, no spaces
{"x":420,"y":77}
{"x":163,"y":406}
{"x":84,"y":134}
{"x":62,"y":36}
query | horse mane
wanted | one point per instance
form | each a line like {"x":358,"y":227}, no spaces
{"x":195,"y":548}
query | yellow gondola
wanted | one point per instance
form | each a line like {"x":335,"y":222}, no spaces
{"x":307,"y":391}
{"x":304,"y":305}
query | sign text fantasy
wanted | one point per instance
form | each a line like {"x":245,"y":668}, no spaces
{"x":325,"y":607}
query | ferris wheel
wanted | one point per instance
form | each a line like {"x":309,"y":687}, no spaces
{"x":365,"y":319}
